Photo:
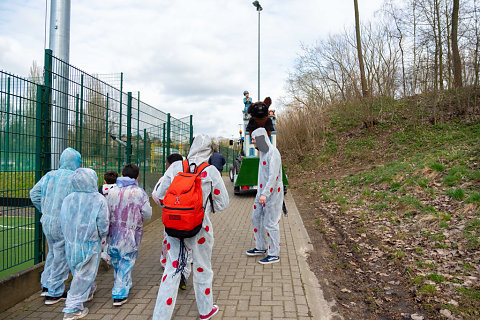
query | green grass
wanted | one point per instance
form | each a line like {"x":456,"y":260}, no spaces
{"x":16,"y":184}
{"x":457,"y":194}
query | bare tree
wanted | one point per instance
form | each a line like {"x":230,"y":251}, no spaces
{"x":457,"y":65}
{"x":359,"y":51}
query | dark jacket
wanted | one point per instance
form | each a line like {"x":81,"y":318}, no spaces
{"x":218,"y":160}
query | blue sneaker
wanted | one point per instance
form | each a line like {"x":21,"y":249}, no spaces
{"x":256,"y":252}
{"x":269,"y":259}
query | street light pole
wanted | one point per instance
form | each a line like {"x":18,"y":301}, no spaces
{"x":257,"y":5}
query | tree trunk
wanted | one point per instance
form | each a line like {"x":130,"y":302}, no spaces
{"x":440,"y":50}
{"x":363,"y":80}
{"x":457,"y":64}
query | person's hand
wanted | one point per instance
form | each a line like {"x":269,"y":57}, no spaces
{"x":262,"y":199}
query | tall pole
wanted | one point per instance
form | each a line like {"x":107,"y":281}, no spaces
{"x":59,"y":42}
{"x":258,"y":55}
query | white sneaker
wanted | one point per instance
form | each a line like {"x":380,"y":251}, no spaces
{"x":75,"y":315}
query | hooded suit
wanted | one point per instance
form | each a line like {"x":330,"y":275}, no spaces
{"x":266,"y":218}
{"x":47,"y":196}
{"x":201,"y":244}
{"x":84,"y":220}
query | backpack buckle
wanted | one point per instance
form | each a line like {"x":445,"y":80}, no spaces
{"x":178,"y":200}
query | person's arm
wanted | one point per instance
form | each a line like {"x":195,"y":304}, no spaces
{"x":146,"y":208}
{"x":103,"y":219}
{"x":223,"y":160}
{"x":36,"y":194}
{"x":275,"y":167}
{"x":219,"y":192}
{"x":168,"y":178}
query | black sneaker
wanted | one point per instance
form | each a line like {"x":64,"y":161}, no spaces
{"x":119,"y":302}
{"x":52,"y":300}
{"x":44,"y":292}
{"x":183,"y":283}
{"x":256,"y":252}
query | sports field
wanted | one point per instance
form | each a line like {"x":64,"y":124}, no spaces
{"x":17,"y":234}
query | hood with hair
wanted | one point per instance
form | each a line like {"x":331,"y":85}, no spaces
{"x":84,"y":180}
{"x":70,"y":159}
{"x":262,"y":140}
{"x":200,"y":150}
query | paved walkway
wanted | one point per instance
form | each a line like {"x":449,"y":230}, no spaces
{"x":242,"y":288}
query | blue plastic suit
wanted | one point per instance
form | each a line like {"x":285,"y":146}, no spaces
{"x":266,"y":218}
{"x":47,"y":196}
{"x":129,"y":206}
{"x":84,"y":220}
{"x":201,"y":244}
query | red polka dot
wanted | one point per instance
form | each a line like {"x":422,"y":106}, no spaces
{"x":200,"y":269}
{"x":207,"y":228}
{"x":207,"y":291}
{"x":255,"y":230}
{"x":169,"y":301}
{"x":254,"y":207}
{"x":175,"y":264}
{"x":165,"y":241}
{"x":264,"y":163}
{"x":278,"y":189}
{"x":201,"y":240}
{"x":216,"y":192}
{"x":103,"y":242}
{"x":261,"y":185}
{"x":264,"y":205}
{"x":268,"y":247}
{"x":203,"y":174}
{"x":277,"y":178}
{"x":164,"y":277}
{"x":271,"y":189}
{"x":168,"y":246}
{"x":164,"y":260}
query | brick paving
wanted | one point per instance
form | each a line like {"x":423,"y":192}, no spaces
{"x":242,"y":288}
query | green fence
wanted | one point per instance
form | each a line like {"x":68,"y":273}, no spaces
{"x":70,"y":108}
{"x":230,"y":153}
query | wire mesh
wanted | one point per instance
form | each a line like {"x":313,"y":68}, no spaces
{"x":70,"y":108}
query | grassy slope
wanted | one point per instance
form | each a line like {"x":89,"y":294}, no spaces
{"x":414,"y":188}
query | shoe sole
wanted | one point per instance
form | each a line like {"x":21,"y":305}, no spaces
{"x":118,"y":304}
{"x":83,"y":315}
{"x":255,"y":254}
{"x":50,"y":302}
{"x":269,"y":262}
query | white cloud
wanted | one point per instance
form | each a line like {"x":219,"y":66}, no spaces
{"x":185,"y":57}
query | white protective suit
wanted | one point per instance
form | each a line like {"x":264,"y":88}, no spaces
{"x":266,"y":218}
{"x":129,"y":206}
{"x":201,"y":244}
{"x":84,"y":220}
{"x":47,"y":196}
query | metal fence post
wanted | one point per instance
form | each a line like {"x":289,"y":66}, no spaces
{"x":138,"y":128}
{"x":191,"y":130}
{"x":164,"y":148}
{"x":169,"y":124}
{"x":129,"y":129}
{"x":7,"y":128}
{"x":77,"y":98}
{"x":144,"y":156}
{"x":120,"y":123}
{"x":105,"y":161}
{"x":80,"y":143}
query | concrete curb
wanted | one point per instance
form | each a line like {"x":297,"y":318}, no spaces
{"x":320,"y":308}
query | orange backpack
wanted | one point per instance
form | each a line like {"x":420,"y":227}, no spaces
{"x":183,"y":209}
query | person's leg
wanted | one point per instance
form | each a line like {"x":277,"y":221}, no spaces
{"x":167,"y":292}
{"x":258,"y":227}
{"x":48,"y":264}
{"x":202,"y":245}
{"x":273,"y":213}
{"x":59,"y":269}
{"x":123,"y":275}
{"x":83,"y":283}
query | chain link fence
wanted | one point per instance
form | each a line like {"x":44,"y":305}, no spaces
{"x":39,"y":118}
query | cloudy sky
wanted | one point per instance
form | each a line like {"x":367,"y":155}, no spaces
{"x":185,"y":56}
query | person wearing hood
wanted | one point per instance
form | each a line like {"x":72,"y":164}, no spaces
{"x":129,"y":206}
{"x":267,"y":208}
{"x":47,"y":196}
{"x":84,"y":219}
{"x":200,"y":245}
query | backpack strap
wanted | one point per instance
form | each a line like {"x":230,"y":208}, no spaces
{"x":186,"y":166}
{"x":201,"y":167}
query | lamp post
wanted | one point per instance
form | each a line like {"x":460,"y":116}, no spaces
{"x":257,"y":5}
